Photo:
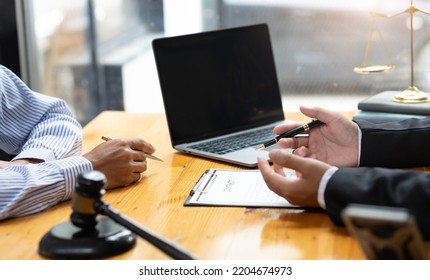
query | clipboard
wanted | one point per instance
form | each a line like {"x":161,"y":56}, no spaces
{"x":240,"y":188}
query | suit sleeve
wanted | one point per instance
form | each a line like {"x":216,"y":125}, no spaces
{"x":380,"y":186}
{"x":397,"y":144}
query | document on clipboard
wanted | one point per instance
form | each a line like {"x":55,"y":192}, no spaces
{"x":243,"y":188}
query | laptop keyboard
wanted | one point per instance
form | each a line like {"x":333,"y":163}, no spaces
{"x":236,"y":142}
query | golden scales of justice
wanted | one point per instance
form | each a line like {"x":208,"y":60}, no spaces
{"x":412,"y":94}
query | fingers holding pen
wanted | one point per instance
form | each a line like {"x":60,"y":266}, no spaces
{"x":297,"y":136}
{"x":139,"y":144}
{"x":293,"y":142}
{"x":288,"y":125}
{"x":298,"y":144}
{"x":121,"y":160}
{"x":142,"y":147}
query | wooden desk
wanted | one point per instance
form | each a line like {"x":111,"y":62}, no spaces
{"x":157,"y":203}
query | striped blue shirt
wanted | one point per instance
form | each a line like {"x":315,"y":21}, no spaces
{"x":41,"y":127}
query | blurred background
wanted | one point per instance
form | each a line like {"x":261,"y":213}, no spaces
{"x":97,"y":55}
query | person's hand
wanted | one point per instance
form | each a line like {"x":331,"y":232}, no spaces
{"x":302,"y":190}
{"x":335,"y":142}
{"x":121,"y":160}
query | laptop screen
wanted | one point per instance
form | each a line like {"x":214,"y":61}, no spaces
{"x":217,"y":82}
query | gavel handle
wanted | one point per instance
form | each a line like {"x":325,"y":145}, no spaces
{"x":165,"y":245}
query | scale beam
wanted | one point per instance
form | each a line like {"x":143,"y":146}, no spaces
{"x":412,"y":94}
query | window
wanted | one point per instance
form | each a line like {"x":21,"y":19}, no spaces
{"x":97,"y":54}
{"x":317,"y":45}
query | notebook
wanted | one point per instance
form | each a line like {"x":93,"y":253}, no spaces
{"x":220,"y":89}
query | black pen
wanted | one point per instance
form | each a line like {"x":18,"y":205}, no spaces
{"x":146,"y":154}
{"x":291,"y":133}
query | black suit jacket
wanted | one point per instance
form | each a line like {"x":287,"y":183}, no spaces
{"x":394,"y":145}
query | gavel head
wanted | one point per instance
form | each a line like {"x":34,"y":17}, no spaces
{"x":89,"y":190}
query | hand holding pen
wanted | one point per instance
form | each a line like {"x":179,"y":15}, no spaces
{"x":336,"y":142}
{"x":122,"y":160}
{"x":151,"y":156}
{"x":291,"y":133}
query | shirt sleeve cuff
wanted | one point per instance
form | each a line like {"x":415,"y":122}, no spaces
{"x":360,"y":136}
{"x":323,"y":184}
{"x":72,"y":167}
{"x":34,"y":153}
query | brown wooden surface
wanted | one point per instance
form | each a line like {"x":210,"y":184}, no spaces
{"x":157,"y":203}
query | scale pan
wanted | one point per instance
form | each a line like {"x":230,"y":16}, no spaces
{"x":373,"y":69}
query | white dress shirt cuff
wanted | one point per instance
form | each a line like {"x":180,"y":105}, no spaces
{"x":359,"y":145}
{"x":36,"y":153}
{"x":323,"y":184}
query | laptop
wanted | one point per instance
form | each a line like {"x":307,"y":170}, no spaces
{"x":220,"y":92}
